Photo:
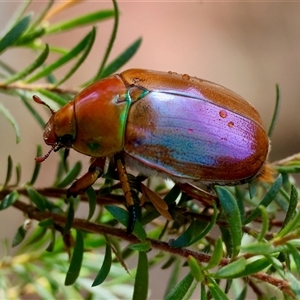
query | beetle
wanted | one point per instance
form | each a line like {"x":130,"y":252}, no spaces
{"x":190,"y":130}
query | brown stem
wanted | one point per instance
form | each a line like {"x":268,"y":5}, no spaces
{"x":82,"y":224}
{"x":34,"y":87}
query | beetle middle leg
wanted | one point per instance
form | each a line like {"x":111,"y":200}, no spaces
{"x":130,"y":194}
{"x":95,"y":171}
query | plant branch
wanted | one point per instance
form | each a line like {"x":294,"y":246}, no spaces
{"x":91,"y":227}
{"x":36,"y":87}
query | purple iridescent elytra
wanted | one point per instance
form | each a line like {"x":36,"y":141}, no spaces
{"x":199,"y":131}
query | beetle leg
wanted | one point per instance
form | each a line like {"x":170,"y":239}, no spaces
{"x":130,"y":194}
{"x":95,"y":171}
{"x":199,"y":194}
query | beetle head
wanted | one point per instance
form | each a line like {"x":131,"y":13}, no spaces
{"x":60,"y":130}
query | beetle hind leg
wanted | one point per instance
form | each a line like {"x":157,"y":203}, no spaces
{"x":131,"y":196}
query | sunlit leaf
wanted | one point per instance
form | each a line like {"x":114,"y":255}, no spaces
{"x":87,"y":19}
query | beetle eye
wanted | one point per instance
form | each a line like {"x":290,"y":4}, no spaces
{"x":66,"y":140}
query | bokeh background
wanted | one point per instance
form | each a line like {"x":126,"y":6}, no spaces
{"x":245,"y":46}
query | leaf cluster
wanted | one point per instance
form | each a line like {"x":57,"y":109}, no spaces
{"x":248,"y":242}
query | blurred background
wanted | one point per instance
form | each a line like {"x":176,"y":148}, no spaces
{"x":246,"y":46}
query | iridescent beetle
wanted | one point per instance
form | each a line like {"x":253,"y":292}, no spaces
{"x":176,"y":126}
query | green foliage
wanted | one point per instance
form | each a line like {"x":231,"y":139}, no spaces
{"x":257,"y":225}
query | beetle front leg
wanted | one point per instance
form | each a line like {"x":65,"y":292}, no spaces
{"x":95,"y":171}
{"x":128,"y":193}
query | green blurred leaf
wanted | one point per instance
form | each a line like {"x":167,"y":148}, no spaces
{"x":19,"y":236}
{"x":141,"y":247}
{"x":141,"y":278}
{"x":277,"y":265}
{"x":70,"y":176}
{"x":88,"y":47}
{"x":32,"y":111}
{"x":255,"y":266}
{"x":207,"y":229}
{"x":295,"y":254}
{"x":268,"y":198}
{"x":59,"y":99}
{"x":172,"y":195}
{"x":31,"y":36}
{"x":173,"y":278}
{"x":12,"y":121}
{"x":217,"y":255}
{"x":110,"y":43}
{"x":46,"y":223}
{"x":51,"y":245}
{"x":8,"y":171}
{"x":92,"y":199}
{"x":180,"y":291}
{"x":232,"y":216}
{"x":243,"y":294}
{"x":121,"y":60}
{"x":265,"y":223}
{"x":18,"y":174}
{"x":9,"y":200}
{"x":215,"y":290}
{"x":292,"y":225}
{"x":10,"y":38}
{"x":76,"y":260}
{"x":292,"y":206}
{"x":252,"y":188}
{"x":87,"y":19}
{"x":184,"y":239}
{"x":275,"y":113}
{"x":122,"y":216}
{"x":258,"y":248}
{"x":294,"y":283}
{"x":195,"y":269}
{"x":36,"y":198}
{"x":70,"y":216}
{"x":32,"y":67}
{"x":37,"y":167}
{"x":232,"y":270}
{"x":105,"y":268}
{"x":203,"y":295}
{"x":40,"y":17}
{"x":63,"y":59}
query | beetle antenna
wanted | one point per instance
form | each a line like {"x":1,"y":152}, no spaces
{"x":38,"y":100}
{"x":40,"y":159}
